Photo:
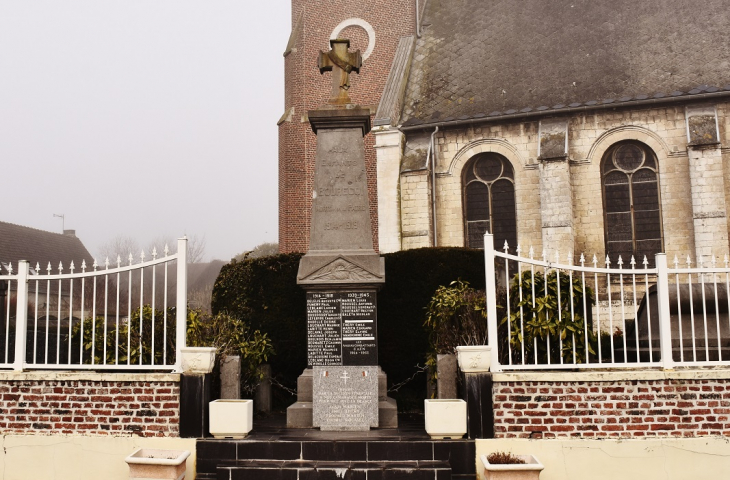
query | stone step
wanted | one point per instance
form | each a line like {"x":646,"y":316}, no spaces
{"x":333,"y":470}
{"x":459,"y":455}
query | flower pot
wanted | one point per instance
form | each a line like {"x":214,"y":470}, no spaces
{"x":474,"y":358}
{"x":445,"y":418}
{"x":231,"y":418}
{"x":146,"y":463}
{"x":530,"y":470}
{"x":197,"y":360}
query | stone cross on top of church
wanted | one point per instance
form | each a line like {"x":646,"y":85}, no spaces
{"x":341,"y":63}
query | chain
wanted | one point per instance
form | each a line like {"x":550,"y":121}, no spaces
{"x":420,"y":369}
{"x":276,"y":383}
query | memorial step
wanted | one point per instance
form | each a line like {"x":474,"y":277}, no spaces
{"x":372,"y":454}
{"x":332,"y":470}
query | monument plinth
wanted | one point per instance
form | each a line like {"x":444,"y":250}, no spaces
{"x":341,"y":241}
{"x":341,"y":271}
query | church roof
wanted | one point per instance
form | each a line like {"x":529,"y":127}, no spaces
{"x":38,"y":246}
{"x":495,"y":58}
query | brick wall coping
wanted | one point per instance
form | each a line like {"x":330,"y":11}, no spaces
{"x":614,"y":375}
{"x":88,"y":376}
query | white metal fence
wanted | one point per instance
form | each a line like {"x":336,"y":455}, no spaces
{"x":115,"y":316}
{"x":566,"y":314}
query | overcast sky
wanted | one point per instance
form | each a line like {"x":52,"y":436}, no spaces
{"x":145,"y":118}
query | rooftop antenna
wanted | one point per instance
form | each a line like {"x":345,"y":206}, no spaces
{"x":63,"y":220}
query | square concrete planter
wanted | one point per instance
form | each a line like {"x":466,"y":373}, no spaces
{"x":197,"y":360}
{"x":231,"y":418}
{"x":474,"y":358}
{"x":530,"y":470}
{"x":146,"y":463}
{"x":445,"y":418}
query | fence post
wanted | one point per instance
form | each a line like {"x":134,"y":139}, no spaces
{"x":491,"y":291}
{"x":182,"y":300}
{"x":665,"y":327}
{"x":21,"y":315}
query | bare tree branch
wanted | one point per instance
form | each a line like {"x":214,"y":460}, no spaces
{"x":196,"y":249}
{"x":121,"y":245}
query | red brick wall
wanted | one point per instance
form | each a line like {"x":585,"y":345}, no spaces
{"x":625,"y":409}
{"x":84,"y":407}
{"x":306,"y":89}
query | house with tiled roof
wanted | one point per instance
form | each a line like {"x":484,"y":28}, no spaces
{"x":43,"y":250}
{"x":40,"y":247}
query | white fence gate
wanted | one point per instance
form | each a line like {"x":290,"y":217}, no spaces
{"x":112,"y":317}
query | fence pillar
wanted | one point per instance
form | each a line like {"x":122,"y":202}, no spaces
{"x":491,"y":290}
{"x":182,"y":301}
{"x":21,"y":315}
{"x":665,"y":326}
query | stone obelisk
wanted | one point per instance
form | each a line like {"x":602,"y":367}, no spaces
{"x":343,"y":387}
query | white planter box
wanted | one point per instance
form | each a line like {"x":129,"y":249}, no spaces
{"x":231,"y":418}
{"x":198,"y":360}
{"x":146,"y":463}
{"x":445,"y":418}
{"x":530,"y":470}
{"x":474,"y":358}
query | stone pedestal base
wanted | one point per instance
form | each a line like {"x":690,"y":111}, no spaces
{"x":299,"y":414}
{"x":195,"y":395}
{"x":480,"y":407}
{"x":446,"y":374}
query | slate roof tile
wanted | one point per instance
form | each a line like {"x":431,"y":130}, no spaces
{"x":505,"y":56}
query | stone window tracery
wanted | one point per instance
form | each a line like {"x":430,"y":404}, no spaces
{"x":631,"y":206}
{"x":489,"y":201}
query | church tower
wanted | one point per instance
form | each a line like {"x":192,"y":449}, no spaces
{"x":374,"y":27}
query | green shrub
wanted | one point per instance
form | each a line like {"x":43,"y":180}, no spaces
{"x":549,"y":319}
{"x":263,"y":293}
{"x":411,"y":277}
{"x":456,"y":315}
{"x":231,"y":336}
{"x":133,"y":342}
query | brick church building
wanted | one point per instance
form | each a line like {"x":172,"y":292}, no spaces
{"x":572,"y":125}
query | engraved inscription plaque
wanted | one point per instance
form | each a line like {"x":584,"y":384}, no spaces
{"x":342,"y":328}
{"x":340,"y":208}
{"x":324,"y":329}
{"x":345,"y":398}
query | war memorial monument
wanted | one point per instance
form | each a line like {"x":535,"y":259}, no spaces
{"x":343,"y":387}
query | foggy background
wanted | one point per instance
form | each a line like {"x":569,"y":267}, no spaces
{"x":143,"y":119}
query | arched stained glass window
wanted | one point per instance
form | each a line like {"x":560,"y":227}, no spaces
{"x":489,"y":201}
{"x":631,"y":205}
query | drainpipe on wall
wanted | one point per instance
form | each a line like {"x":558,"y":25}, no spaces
{"x":432,"y":158}
{"x":418,"y":17}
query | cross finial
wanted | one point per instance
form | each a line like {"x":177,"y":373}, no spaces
{"x":341,"y":63}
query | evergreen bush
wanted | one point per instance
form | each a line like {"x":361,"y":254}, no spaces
{"x":551,"y":325}
{"x":263,"y":292}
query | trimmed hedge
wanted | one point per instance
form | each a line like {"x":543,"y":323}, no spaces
{"x":411,"y":278}
{"x":263,"y":291}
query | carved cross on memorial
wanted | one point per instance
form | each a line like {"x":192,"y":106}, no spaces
{"x":341,"y":63}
